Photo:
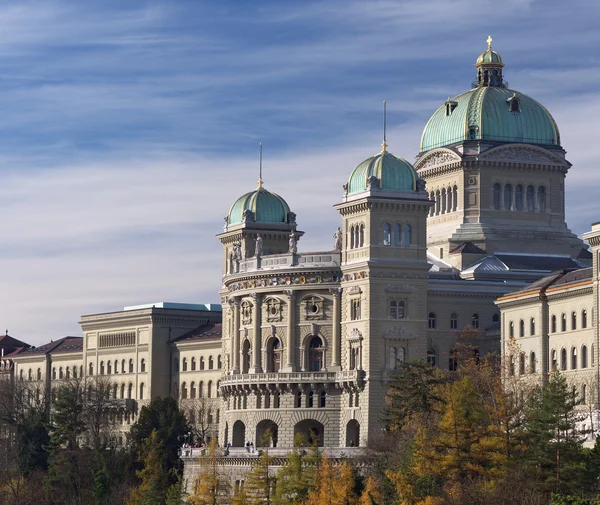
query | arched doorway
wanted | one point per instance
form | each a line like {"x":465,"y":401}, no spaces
{"x":311,"y":430}
{"x":266,"y":434}
{"x":246,"y":356}
{"x":239,"y":434}
{"x":352,"y":433}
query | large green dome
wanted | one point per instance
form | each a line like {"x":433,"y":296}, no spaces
{"x":391,"y":172}
{"x":259,"y":206}
{"x":490,"y":112}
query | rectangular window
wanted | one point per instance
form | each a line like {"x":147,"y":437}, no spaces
{"x":355,"y":310}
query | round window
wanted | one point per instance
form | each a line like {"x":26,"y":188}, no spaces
{"x":273,"y":310}
{"x":314,"y":308}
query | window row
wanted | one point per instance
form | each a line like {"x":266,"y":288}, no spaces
{"x":201,"y":364}
{"x":357,"y":236}
{"x":576,"y":361}
{"x":399,"y":235}
{"x":60,"y":373}
{"x":314,"y":355}
{"x":563,"y":321}
{"x":518,"y":198}
{"x":432,"y":321}
{"x":126,"y":367}
{"x":268,"y":400}
{"x":511,"y":328}
{"x":197,"y":391}
{"x":446,"y":200}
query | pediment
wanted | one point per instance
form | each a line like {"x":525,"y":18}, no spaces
{"x":437,"y":157}
{"x":518,"y":153}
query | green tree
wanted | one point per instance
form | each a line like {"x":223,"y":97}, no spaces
{"x":163,"y":416}
{"x":154,"y":476}
{"x":211,"y":487}
{"x":260,"y":483}
{"x":296,"y":479}
{"x":555,"y":458}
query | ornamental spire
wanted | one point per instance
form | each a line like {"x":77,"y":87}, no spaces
{"x":260,"y":181}
{"x":489,"y":42}
{"x":384,"y":145}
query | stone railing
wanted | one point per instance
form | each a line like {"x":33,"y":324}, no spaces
{"x":282,"y":261}
{"x":276,"y":452}
{"x":274,"y":378}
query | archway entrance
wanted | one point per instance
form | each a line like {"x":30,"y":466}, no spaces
{"x":311,"y":430}
{"x":239,"y":434}
{"x":266,"y":434}
{"x":352,"y":433}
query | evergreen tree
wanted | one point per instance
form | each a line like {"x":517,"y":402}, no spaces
{"x":260,"y":483}
{"x":154,"y":477}
{"x":211,"y":487}
{"x":297,"y":476}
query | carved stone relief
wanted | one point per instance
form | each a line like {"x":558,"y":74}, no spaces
{"x":438,"y":158}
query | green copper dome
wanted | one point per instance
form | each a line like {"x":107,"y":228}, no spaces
{"x":490,"y":112}
{"x":383,"y":171}
{"x":259,"y":206}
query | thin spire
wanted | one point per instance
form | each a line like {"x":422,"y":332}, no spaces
{"x":384,"y":145}
{"x":489,"y":42}
{"x":260,"y":181}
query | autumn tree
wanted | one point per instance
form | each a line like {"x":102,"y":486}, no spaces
{"x":334,"y":485}
{"x":296,"y":479}
{"x":211,"y":487}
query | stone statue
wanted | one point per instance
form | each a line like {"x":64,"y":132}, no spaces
{"x":372,"y":182}
{"x":293,"y":248}
{"x":420,"y":184}
{"x":248,"y":215}
{"x":338,"y":239}
{"x":258,"y":251}
{"x":237,"y":251}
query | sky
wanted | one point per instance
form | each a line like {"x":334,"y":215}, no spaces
{"x":127,"y":129}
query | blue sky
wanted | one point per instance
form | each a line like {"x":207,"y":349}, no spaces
{"x":128,"y":128}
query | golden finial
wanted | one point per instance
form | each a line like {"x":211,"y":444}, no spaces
{"x":260,"y":181}
{"x":384,"y":145}
{"x":489,"y":41}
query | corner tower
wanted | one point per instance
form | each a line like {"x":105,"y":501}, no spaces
{"x":384,"y":274}
{"x":495,"y":168}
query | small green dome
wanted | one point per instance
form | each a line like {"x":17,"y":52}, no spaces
{"x":489,"y":56}
{"x":260,"y":206}
{"x":490,"y":113}
{"x":390,"y":172}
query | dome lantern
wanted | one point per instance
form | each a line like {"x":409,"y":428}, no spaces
{"x":489,"y":68}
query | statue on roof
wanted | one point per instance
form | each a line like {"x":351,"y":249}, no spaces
{"x":337,"y":236}
{"x":293,"y":248}
{"x":258,"y":250}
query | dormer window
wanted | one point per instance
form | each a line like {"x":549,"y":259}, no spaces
{"x":450,"y":106}
{"x":514,"y":104}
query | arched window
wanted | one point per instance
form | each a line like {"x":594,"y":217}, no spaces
{"x":322,"y":399}
{"x":122,"y":391}
{"x":352,"y":237}
{"x":30,"y":374}
{"x":116,"y":366}
{"x":397,"y":234}
{"x":453,"y":321}
{"x":209,"y":387}
{"x":431,"y":320}
{"x":514,"y":104}
{"x":298,"y":400}
{"x":431,"y":357}
{"x":573,"y":320}
{"x":90,"y":370}
{"x":574,"y":358}
{"x":219,"y":362}
{"x":563,"y":359}
{"x":143,"y":364}
{"x":553,"y":360}
{"x":475,"y":321}
{"x":449,"y":206}
{"x":356,"y":236}
{"x":142,"y":391}
{"x":455,"y":198}
{"x":115,"y":392}
{"x":184,"y":364}
{"x":532,"y":363}
{"x":563,"y":322}
{"x":109,"y":367}
{"x":553,"y":324}
{"x":532,"y":326}
{"x":407,"y":236}
{"x":521,"y":328}
{"x":193,"y":390}
{"x":184,"y":391}
{"x":131,"y":365}
{"x":315,"y":355}
{"x":496,"y":196}
{"x":519,"y":197}
{"x":541,"y":199}
{"x":522,"y":364}
{"x":201,"y":389}
{"x":193,"y":364}
{"x":508,"y":197}
{"x":443,"y":200}
{"x":101,"y":369}
{"x":584,"y":318}
{"x":511,"y":329}
{"x":530,"y":198}
{"x":310,"y":399}
{"x":201,"y":362}
{"x":39,"y":374}
{"x":387,"y":234}
{"x":432,"y":208}
{"x":437,"y":202}
{"x":274,"y":364}
{"x":211,"y":363}
{"x":124,"y":368}
{"x":584,"y":357}
{"x":130,"y":391}
{"x":362,"y":235}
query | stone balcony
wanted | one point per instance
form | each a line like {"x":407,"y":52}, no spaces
{"x":276,"y":452}
{"x":282,"y":380}
{"x":287,"y":260}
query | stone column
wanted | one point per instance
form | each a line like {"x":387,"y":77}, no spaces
{"x":291,"y":332}
{"x":256,"y":345}
{"x":336,"y":339}
{"x":235,"y":348}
